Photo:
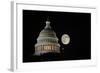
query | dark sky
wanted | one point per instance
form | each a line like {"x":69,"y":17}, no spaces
{"x":76,"y":25}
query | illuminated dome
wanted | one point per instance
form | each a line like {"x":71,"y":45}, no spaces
{"x":47,"y":41}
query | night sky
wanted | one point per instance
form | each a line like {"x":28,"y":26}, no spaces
{"x":76,"y":25}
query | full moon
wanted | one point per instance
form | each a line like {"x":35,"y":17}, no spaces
{"x":65,"y":39}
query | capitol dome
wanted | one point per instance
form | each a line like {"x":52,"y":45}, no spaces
{"x":47,"y":41}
